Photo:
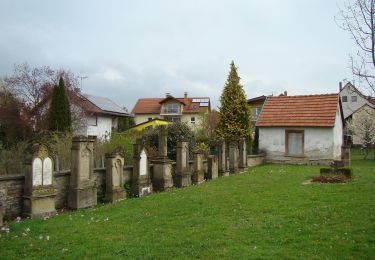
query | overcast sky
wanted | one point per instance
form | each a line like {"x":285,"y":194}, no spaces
{"x":145,"y":48}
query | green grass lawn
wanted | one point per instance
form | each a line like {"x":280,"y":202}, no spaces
{"x":263,"y":213}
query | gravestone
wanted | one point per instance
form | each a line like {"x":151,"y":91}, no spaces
{"x":345,"y":155}
{"x":242,"y":154}
{"x":141,"y":180}
{"x":183,"y":174}
{"x":162,"y":175}
{"x":114,"y":177}
{"x":233,"y":157}
{"x":222,"y":160}
{"x":82,"y":188}
{"x":212,"y":167}
{"x":39,"y":191}
{"x":198,"y":173}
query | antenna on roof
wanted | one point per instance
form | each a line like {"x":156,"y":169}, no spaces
{"x":82,"y":77}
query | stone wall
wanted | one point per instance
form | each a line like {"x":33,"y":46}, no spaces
{"x":255,"y":159}
{"x":11,"y":188}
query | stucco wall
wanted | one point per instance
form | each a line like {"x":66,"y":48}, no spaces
{"x":102,"y":129}
{"x":318,"y":143}
{"x":141,"y":118}
{"x":349,"y":107}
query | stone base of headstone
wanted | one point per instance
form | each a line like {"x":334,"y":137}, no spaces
{"x":212,"y":167}
{"x":40,"y":204}
{"x":115,"y":194}
{"x":183,"y":180}
{"x":223,"y":174}
{"x":142,"y":188}
{"x":197,"y":177}
{"x":162,"y":177}
{"x":82,"y":197}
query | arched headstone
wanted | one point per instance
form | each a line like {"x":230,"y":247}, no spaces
{"x":141,"y":181}
{"x":39,"y":192}
{"x":114,"y":177}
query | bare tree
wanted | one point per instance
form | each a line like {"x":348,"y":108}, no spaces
{"x":358,"y":18}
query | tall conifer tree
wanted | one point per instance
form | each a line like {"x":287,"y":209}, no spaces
{"x":59,"y":111}
{"x":234,"y":120}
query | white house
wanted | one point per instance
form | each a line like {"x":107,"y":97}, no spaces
{"x":301,"y":129}
{"x":99,"y":118}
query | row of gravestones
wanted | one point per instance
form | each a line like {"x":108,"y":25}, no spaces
{"x":40,"y":192}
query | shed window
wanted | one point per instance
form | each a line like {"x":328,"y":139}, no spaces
{"x":294,"y":142}
{"x":354,"y":98}
{"x":344,"y":98}
{"x":92,"y":120}
{"x":192,"y":120}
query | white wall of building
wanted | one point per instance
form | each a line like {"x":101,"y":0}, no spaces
{"x":186,"y":118}
{"x":350,"y":107}
{"x":103,"y":128}
{"x":318,"y":142}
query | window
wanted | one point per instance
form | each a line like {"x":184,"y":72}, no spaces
{"x":294,"y":142}
{"x":171,"y":109}
{"x":344,"y":98}
{"x":256,"y":111}
{"x":194,"y":107}
{"x":192,"y":120}
{"x":354,"y":98}
{"x":92,"y":120}
{"x":150,"y":118}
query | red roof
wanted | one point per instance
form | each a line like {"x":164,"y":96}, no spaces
{"x":153,"y":105}
{"x":313,"y":110}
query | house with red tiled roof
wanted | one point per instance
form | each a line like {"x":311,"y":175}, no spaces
{"x":185,"y":109}
{"x":301,"y":129}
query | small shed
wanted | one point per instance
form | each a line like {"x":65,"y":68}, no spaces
{"x":301,"y":129}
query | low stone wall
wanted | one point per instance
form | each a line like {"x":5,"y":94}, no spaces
{"x":12,"y":188}
{"x":255,"y":159}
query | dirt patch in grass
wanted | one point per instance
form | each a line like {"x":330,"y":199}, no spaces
{"x":330,"y":179}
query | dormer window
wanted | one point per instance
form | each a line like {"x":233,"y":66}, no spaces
{"x":171,"y":109}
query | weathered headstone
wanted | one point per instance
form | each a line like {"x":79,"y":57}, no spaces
{"x":233,"y":157}
{"x":141,"y":181}
{"x":345,"y":155}
{"x":39,"y":192}
{"x":198,"y":173}
{"x":242,"y":154}
{"x":82,"y":188}
{"x":183,"y":174}
{"x":114,"y":177}
{"x":212,"y":167}
{"x":222,"y":159}
{"x":162,"y":175}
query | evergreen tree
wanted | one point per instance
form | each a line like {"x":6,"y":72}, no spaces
{"x":59,"y":110}
{"x":234,"y":115}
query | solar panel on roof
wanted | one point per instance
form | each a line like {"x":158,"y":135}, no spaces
{"x":105,"y":104}
{"x":203,"y":104}
{"x":196,"y":100}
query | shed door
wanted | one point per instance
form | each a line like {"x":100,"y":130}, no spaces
{"x":294,"y":142}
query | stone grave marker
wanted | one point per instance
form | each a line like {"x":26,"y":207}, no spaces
{"x":114,"y":177}
{"x":233,"y":157}
{"x":162,"y":175}
{"x":242,"y":154}
{"x":183,"y":174}
{"x":2,"y":213}
{"x":222,"y":160}
{"x":82,"y":188}
{"x":141,"y":181}
{"x":212,"y":167}
{"x":39,"y":191}
{"x":198,"y":173}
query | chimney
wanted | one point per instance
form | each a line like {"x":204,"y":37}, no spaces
{"x":185,"y":94}
{"x":340,"y":86}
{"x":285,"y":93}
